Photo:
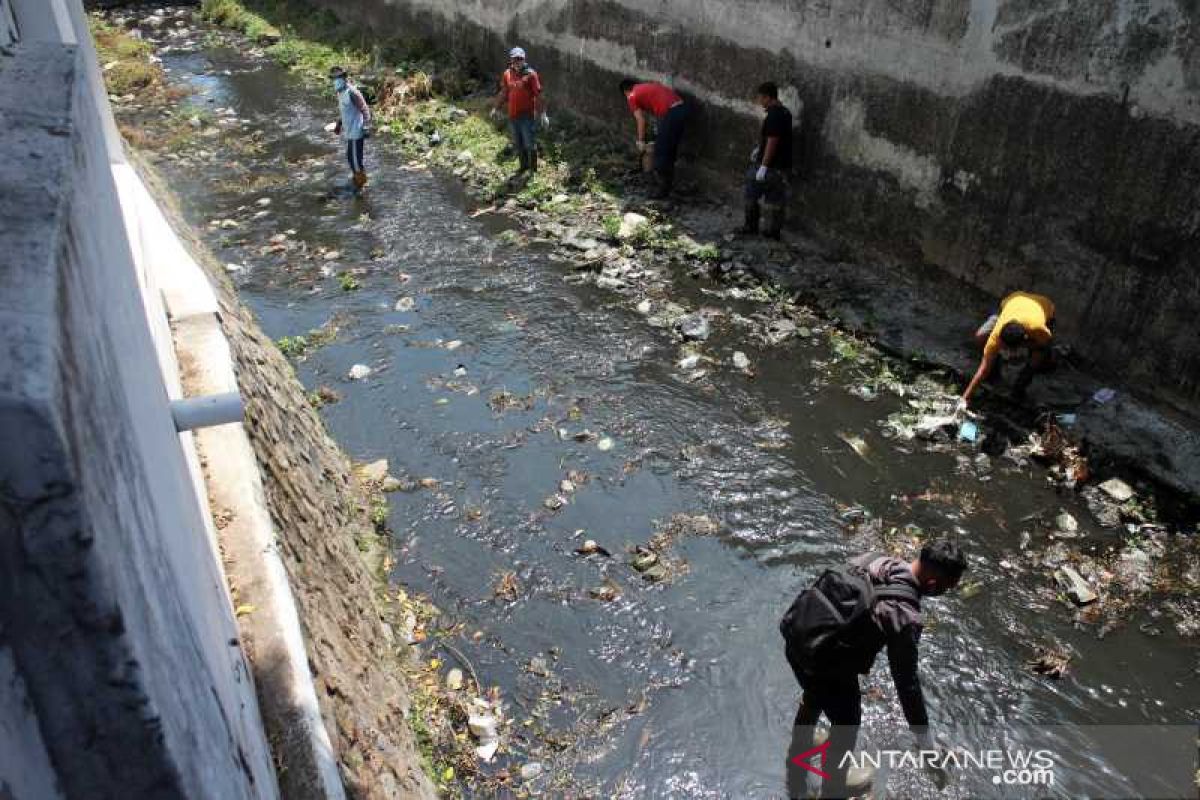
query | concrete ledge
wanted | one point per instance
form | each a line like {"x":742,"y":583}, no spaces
{"x":269,"y":622}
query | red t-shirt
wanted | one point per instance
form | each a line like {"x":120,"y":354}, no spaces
{"x":652,"y":97}
{"x":522,"y":90}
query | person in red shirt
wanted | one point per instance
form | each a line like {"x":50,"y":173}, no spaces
{"x":521,"y":90}
{"x":670,"y":113}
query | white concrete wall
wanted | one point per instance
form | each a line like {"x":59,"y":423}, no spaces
{"x":120,"y":670}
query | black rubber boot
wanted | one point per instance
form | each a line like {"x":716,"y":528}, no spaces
{"x":750,"y":226}
{"x":773,"y":221}
{"x":533,"y":159}
{"x":662,"y":185}
{"x":523,"y":156}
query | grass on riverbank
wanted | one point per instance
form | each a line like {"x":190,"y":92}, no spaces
{"x":438,"y":112}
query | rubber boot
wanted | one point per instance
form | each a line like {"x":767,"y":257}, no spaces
{"x":750,"y":226}
{"x":859,"y":780}
{"x":360,"y":179}
{"x":662,"y":185}
{"x":773,"y":221}
{"x":533,"y":159}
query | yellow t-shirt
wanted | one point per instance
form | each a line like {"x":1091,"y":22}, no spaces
{"x":1032,"y":311}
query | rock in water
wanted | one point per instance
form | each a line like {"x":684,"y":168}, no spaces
{"x":1075,"y":586}
{"x":1135,"y":570}
{"x":1117,"y":489}
{"x":376,"y":471}
{"x":1066,"y":523}
{"x":631,"y":223}
{"x":359,"y":372}
{"x":741,"y":361}
{"x":693,"y":326}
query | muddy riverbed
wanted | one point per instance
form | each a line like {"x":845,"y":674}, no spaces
{"x":524,"y":412}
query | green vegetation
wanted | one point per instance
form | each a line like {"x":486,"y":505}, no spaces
{"x":348,"y":282}
{"x":233,"y":15}
{"x":124,"y":60}
{"x":300,"y":346}
{"x":292,"y":346}
{"x":612,"y":225}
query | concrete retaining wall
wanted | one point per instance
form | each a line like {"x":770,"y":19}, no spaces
{"x":1052,"y":146}
{"x":120,"y":670}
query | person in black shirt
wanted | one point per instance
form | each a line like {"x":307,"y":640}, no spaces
{"x":771,"y":165}
{"x":895,"y":622}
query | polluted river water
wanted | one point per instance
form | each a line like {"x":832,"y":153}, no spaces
{"x":547,"y":413}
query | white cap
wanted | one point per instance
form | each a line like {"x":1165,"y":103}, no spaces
{"x":516,"y":52}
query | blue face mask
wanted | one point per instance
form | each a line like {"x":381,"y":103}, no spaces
{"x":339,"y":84}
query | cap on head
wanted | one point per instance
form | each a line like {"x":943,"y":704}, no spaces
{"x":337,"y":72}
{"x":516,"y":52}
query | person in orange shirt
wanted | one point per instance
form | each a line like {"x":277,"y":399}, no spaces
{"x":1025,"y":320}
{"x":521,"y":90}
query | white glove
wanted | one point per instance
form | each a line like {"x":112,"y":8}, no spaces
{"x":641,"y":146}
{"x":960,"y":407}
{"x":495,"y":112}
{"x":754,"y":156}
{"x":545,"y":120}
{"x":761,"y":175}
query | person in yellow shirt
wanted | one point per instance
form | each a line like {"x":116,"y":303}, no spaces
{"x":1025,"y":321}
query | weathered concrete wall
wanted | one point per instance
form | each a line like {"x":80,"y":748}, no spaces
{"x":1051,"y":145}
{"x":115,"y":622}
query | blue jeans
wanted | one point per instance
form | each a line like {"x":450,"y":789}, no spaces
{"x":354,"y":154}
{"x":524,"y":133}
{"x":668,"y":139}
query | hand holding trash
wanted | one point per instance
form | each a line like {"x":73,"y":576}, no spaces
{"x":960,"y":407}
{"x":545,"y":121}
{"x":641,"y":146}
{"x":493,"y":113}
{"x":761,"y":175}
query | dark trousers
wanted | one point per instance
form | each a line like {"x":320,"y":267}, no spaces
{"x":354,"y":154}
{"x":668,"y":139}
{"x":772,"y":192}
{"x":840,"y":700}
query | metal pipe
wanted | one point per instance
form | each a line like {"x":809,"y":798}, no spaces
{"x":205,"y":412}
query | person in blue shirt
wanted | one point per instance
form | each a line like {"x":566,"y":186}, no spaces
{"x":354,"y":121}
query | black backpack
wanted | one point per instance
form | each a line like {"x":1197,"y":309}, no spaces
{"x":829,"y":628}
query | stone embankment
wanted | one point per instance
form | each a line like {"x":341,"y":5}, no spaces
{"x":320,"y":509}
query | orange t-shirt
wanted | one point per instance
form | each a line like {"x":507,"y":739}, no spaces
{"x":523,"y":90}
{"x":1032,"y":311}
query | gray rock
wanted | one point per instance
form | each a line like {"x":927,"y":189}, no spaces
{"x":741,"y":361}
{"x":631,"y":223}
{"x":1102,"y":508}
{"x":694,"y":327}
{"x":1117,"y":489}
{"x":531,"y":770}
{"x":1134,"y":570}
{"x":1066,"y":523}
{"x":376,"y":471}
{"x":1078,"y":589}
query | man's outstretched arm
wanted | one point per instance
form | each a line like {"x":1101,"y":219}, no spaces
{"x":902,"y":659}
